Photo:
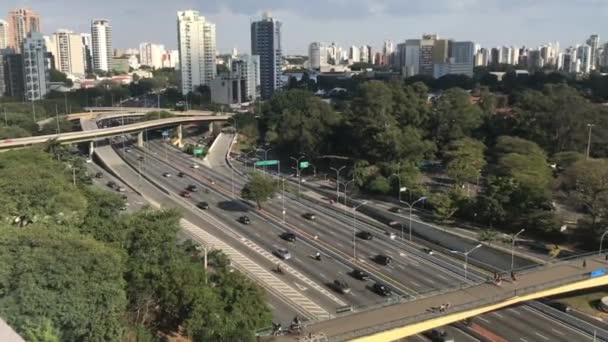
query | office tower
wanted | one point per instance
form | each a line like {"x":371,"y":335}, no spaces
{"x":101,"y":34}
{"x":388,"y":52}
{"x":68,"y":52}
{"x":604,"y":55}
{"x":266,"y":43}
{"x":495,"y":56}
{"x":13,"y":74}
{"x":197,"y":50}
{"x":411,"y":57}
{"x":426,"y":55}
{"x":334,"y":54}
{"x":21,"y":22}
{"x":87,"y":52}
{"x":594,"y":44}
{"x":441,"y":51}
{"x":354,"y":54}
{"x":151,"y":55}
{"x":535,"y":59}
{"x":364,"y":53}
{"x":35,"y":67}
{"x":463,"y":52}
{"x":247,"y":68}
{"x":318,"y":54}
{"x":3,"y":34}
{"x":584,"y":55}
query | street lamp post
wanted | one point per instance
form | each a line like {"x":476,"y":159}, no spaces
{"x":345,"y":192}
{"x":265,"y":154}
{"x":299,"y":173}
{"x":338,"y":180}
{"x":466,"y":258}
{"x":399,"y":179}
{"x":283,"y":198}
{"x":601,"y":241}
{"x":355,"y":230}
{"x":513,"y":239}
{"x":410,"y":206}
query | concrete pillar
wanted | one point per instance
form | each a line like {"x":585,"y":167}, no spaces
{"x":91,"y":148}
{"x":179,"y":134}
{"x":140,"y":139}
{"x":211,"y":128}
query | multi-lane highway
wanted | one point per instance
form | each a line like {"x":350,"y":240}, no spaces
{"x":411,"y":274}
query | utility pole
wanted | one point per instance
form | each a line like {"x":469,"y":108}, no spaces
{"x":57,"y":118}
{"x":5,"y":118}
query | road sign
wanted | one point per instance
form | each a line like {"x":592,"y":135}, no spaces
{"x":165,"y":133}
{"x":198,"y":151}
{"x":267,"y":163}
{"x":304,"y":164}
{"x":404,"y":189}
{"x":598,"y":273}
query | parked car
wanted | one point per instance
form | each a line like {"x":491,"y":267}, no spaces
{"x":359,"y":274}
{"x":283,"y":253}
{"x":203,"y":205}
{"x":244,"y":220}
{"x":112,"y":185}
{"x":383,"y":259}
{"x":365,"y":235}
{"x":382,"y":289}
{"x":291,"y":237}
{"x":341,"y":286}
{"x":309,"y":216}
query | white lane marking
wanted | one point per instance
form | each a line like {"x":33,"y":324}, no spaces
{"x":339,"y":245}
{"x":401,"y":267}
{"x":415,"y":284}
{"x":557,"y":332}
{"x":523,"y":339}
{"x":515,"y":311}
{"x":442,"y":277}
{"x":497,"y":314}
{"x":541,"y":336}
{"x":301,"y":287}
{"x":483,"y":319}
{"x":322,"y":275}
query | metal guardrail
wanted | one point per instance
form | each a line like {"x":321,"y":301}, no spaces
{"x":457,"y":308}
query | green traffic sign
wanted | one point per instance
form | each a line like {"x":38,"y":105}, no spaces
{"x":304,"y":164}
{"x":266,"y":163}
{"x":198,"y":151}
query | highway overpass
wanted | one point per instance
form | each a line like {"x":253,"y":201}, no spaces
{"x":125,"y":112}
{"x":85,"y":136}
{"x":394,"y":322}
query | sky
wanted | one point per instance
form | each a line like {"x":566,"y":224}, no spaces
{"x":346,"y":22}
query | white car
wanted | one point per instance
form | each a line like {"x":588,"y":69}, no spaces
{"x":283,"y":254}
{"x":195,"y":166}
{"x":88,"y":160}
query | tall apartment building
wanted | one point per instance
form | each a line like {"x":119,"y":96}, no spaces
{"x":594,"y":44}
{"x":151,"y":55}
{"x":410,"y":57}
{"x":354,"y":54}
{"x":36,"y":76}
{"x":3,"y":34}
{"x":101,"y":36}
{"x":426,"y":65}
{"x":197,"y":50}
{"x":247,"y":68}
{"x":266,"y":43}
{"x":318,"y":55}
{"x":583,"y":54}
{"x":13,"y":74}
{"x":441,"y":51}
{"x":68,"y":52}
{"x":21,"y":22}
{"x":87,"y":51}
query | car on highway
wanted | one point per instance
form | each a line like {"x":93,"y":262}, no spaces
{"x":428,"y":251}
{"x":140,"y":158}
{"x":192,"y":188}
{"x":559,"y":306}
{"x":99,"y":175}
{"x":396,"y":210}
{"x":181,"y":174}
{"x":195,"y":166}
{"x":309,"y":216}
{"x":359,"y":274}
{"x":365,"y":235}
{"x":123,"y":208}
{"x":383,"y":259}
{"x":283,"y":253}
{"x":185,"y":194}
{"x":341,"y":286}
{"x":436,"y":335}
{"x":244,"y":220}
{"x":88,"y":160}
{"x":166,"y":174}
{"x":121,"y":189}
{"x":112,"y":185}
{"x":291,"y":237}
{"x":381,"y":289}
{"x":127,"y":149}
{"x":203,"y":205}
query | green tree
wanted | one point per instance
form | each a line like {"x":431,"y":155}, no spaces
{"x":446,"y":204}
{"x":586,"y":183}
{"x":45,"y":332}
{"x":454,"y":116}
{"x":464,"y":160}
{"x":259,"y":189}
{"x":563,"y":160}
{"x":62,"y":126}
{"x":380,"y":185}
{"x":13,"y":132}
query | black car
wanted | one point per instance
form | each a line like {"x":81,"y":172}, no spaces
{"x":341,"y":286}
{"x":244,"y":220}
{"x":309,"y":216}
{"x":383,"y":259}
{"x":381,"y":289}
{"x":112,"y":185}
{"x":358,"y":274}
{"x":181,"y":175}
{"x":192,"y":188}
{"x":438,"y":336}
{"x":99,"y":175}
{"x":291,"y":237}
{"x":203,"y":205}
{"x":396,"y":210}
{"x":365,"y":235}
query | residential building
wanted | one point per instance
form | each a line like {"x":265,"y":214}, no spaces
{"x":426,"y":55}
{"x":21,"y":22}
{"x":36,"y":76}
{"x":334,"y":54}
{"x":604,"y":56}
{"x":514,"y":57}
{"x":133,"y":62}
{"x":535,"y":59}
{"x":151,"y":55}
{"x":388,"y":53}
{"x":354,"y":54}
{"x":3,"y":34}
{"x":506,"y":55}
{"x":2,"y":72}
{"x":583,"y":54}
{"x":101,"y":34}
{"x":266,"y":43}
{"x":410,"y":57}
{"x":87,"y":51}
{"x":120,"y":64}
{"x":197,"y":50}
{"x":247,"y":68}
{"x":495,"y":56}
{"x":318,"y":55}
{"x":68,"y":52}
{"x":13,"y":73}
{"x":594,"y":45}
{"x":364,"y":53}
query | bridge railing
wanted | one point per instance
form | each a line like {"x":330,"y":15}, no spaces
{"x":458,"y":308}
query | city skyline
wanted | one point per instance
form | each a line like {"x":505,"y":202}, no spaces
{"x":371,"y":21}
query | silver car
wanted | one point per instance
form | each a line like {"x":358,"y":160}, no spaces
{"x":283,"y":254}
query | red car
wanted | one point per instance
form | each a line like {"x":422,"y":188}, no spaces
{"x":185,"y":194}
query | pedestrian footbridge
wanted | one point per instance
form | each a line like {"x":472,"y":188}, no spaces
{"x":413,"y":316}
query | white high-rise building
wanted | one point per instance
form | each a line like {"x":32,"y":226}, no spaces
{"x":247,"y":68}
{"x":68,"y":52}
{"x":506,"y":55}
{"x":354,"y":54}
{"x":318,"y":55}
{"x":411,"y":57}
{"x":87,"y":51}
{"x":197,"y":50}
{"x":36,"y":75}
{"x":151,"y":55}
{"x":514,"y":57}
{"x":594,"y":44}
{"x":3,"y":34}
{"x":101,"y":36}
{"x":364,"y":54}
{"x":583,"y":54}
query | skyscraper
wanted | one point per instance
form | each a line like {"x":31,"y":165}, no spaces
{"x":21,"y":21}
{"x":68,"y":52}
{"x":247,"y":69}
{"x":101,"y":34}
{"x":426,"y":65}
{"x":354,"y":54}
{"x":318,"y":55}
{"x":35,"y":67}
{"x":594,"y":44}
{"x":388,"y":52}
{"x":410,"y":57}
{"x":196,"y":43}
{"x":583,"y":54}
{"x":266,"y":43}
{"x":151,"y":55}
{"x":87,"y":51}
{"x":3,"y":34}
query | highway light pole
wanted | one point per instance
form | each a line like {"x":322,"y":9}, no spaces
{"x":466,"y":258}
{"x":399,"y":179}
{"x":265,"y":154}
{"x":410,"y":207}
{"x":355,"y":230}
{"x":589,"y":140}
{"x":601,"y":241}
{"x":513,"y":239}
{"x":299,"y":172}
{"x":338,"y":180}
{"x":283,"y":198}
{"x":346,"y":193}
